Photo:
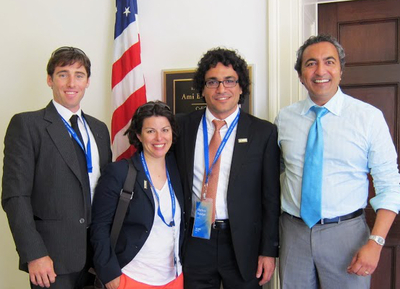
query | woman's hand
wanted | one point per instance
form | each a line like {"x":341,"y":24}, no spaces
{"x":113,"y":284}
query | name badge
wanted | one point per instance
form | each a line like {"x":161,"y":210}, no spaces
{"x":202,"y":219}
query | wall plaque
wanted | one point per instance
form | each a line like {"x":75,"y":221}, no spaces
{"x":180,"y":95}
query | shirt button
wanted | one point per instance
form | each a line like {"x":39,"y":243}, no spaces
{"x":81,"y":220}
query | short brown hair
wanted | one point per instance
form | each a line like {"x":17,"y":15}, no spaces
{"x":67,"y":55}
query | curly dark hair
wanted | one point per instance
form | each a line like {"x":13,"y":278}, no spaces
{"x":149,"y":109}
{"x":226,"y":57}
{"x":67,"y":55}
{"x":317,"y":39}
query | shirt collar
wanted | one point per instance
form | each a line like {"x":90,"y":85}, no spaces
{"x":334,"y":105}
{"x":65,"y":112}
{"x":210,"y":117}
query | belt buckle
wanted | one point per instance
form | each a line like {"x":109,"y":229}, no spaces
{"x":214,"y":225}
{"x":336,"y":220}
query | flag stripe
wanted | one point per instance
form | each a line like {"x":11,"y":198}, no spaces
{"x":128,"y":85}
{"x":123,"y":114}
{"x":127,"y":154}
{"x":132,"y":82}
{"x":125,"y":64}
{"x":120,"y":148}
{"x":122,"y":43}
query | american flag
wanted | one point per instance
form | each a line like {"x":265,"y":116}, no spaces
{"x":128,"y":86}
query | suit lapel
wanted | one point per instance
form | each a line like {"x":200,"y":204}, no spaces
{"x":101,"y":141}
{"x":242,"y":141}
{"x":59,"y":134}
{"x":142,"y":179}
{"x":175,"y":181}
{"x":190,"y":140}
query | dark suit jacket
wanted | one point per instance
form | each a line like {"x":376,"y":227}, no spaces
{"x":138,"y":221}
{"x":43,"y":191}
{"x":253,"y":190}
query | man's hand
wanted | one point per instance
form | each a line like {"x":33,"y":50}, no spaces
{"x":114,"y":284}
{"x":41,"y":272}
{"x":366,"y":259}
{"x":266,"y":267}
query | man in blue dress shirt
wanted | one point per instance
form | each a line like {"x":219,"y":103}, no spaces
{"x":339,"y":251}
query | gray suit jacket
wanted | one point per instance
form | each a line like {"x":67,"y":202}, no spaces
{"x":43,"y":191}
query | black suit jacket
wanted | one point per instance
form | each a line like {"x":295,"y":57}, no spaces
{"x":43,"y":192}
{"x":138,"y":220}
{"x":253,"y":196}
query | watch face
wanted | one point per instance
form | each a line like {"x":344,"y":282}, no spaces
{"x":378,"y":239}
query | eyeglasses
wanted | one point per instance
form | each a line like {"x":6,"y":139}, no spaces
{"x":68,"y":48}
{"x":151,"y":104}
{"x":228,"y":83}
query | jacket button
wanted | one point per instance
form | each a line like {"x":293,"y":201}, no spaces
{"x":81,"y":220}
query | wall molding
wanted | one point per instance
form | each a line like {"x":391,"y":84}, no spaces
{"x":290,"y":22}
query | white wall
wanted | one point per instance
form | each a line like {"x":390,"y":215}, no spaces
{"x":174,"y":34}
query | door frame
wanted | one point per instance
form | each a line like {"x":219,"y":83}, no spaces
{"x":290,"y":23}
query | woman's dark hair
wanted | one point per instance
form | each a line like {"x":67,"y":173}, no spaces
{"x":318,"y":39}
{"x":226,"y":57}
{"x":149,"y":109}
{"x":67,"y":55}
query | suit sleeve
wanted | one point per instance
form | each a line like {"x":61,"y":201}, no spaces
{"x":17,"y":187}
{"x":271,"y":197}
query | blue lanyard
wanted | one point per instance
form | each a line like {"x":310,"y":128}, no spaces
{"x":87,"y":151}
{"x":220,"y":148}
{"x":171,"y":191}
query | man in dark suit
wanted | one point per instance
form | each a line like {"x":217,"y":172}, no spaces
{"x":240,"y":243}
{"x":50,"y":170}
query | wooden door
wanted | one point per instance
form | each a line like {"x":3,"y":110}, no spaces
{"x":369,"y":31}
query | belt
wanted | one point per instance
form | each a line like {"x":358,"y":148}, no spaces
{"x":339,"y":219}
{"x":217,"y":225}
{"x":221,"y":225}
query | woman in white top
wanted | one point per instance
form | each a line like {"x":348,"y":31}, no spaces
{"x":147,"y":253}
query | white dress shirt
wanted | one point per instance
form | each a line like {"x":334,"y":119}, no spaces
{"x":357,"y":141}
{"x":221,"y":207}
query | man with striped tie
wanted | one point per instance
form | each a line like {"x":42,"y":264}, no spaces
{"x":52,"y":160}
{"x":231,"y":191}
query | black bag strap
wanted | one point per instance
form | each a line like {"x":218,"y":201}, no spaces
{"x":126,"y":196}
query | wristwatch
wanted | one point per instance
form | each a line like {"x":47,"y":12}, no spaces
{"x":378,"y":239}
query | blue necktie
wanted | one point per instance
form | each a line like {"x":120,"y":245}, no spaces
{"x":310,"y":209}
